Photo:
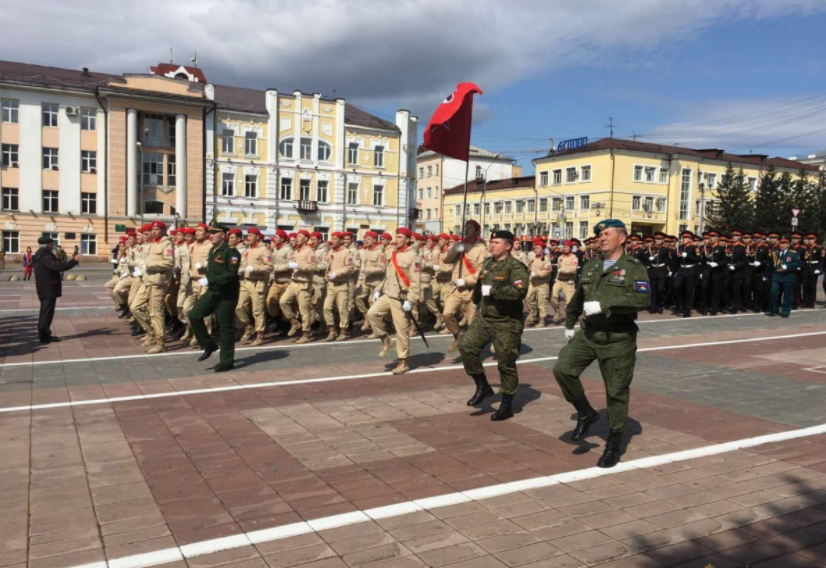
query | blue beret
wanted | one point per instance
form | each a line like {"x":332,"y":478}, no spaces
{"x":607,"y":224}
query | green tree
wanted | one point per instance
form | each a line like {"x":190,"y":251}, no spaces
{"x":768,"y":202}
{"x":785,"y":187}
{"x":734,"y":208}
{"x":805,"y":196}
{"x":820,"y":196}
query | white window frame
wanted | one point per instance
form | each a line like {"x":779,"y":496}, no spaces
{"x":88,"y":201}
{"x":710,"y":185}
{"x":543,"y":204}
{"x":53,"y":199}
{"x":498,"y":207}
{"x":508,"y":207}
{"x":661,"y":204}
{"x":50,"y":115}
{"x":543,"y":179}
{"x":421,"y":171}
{"x":287,"y":144}
{"x":353,"y":153}
{"x":285,"y":190}
{"x":585,"y":168}
{"x":378,"y":195}
{"x":11,"y":242}
{"x":251,"y":182}
{"x":251,"y":144}
{"x":570,"y":203}
{"x":305,"y":149}
{"x":636,"y":203}
{"x":557,"y":177}
{"x":531,"y":205}
{"x":88,"y":119}
{"x":87,"y":239}
{"x":322,"y":189}
{"x":648,"y":203}
{"x":664,"y":175}
{"x":520,"y":206}
{"x":639,"y":173}
{"x":584,"y":202}
{"x":51,"y":158}
{"x":429,"y":171}
{"x":686,"y":179}
{"x":487,"y":207}
{"x":10,"y":111}
{"x":227,"y":184}
{"x":557,"y":204}
{"x":228,"y":142}
{"x":305,"y":190}
{"x":751,"y":183}
{"x":583,"y":229}
{"x":13,"y":194}
{"x":325,"y":151}
{"x":570,"y":172}
{"x":650,"y":174}
{"x":11,"y":155}
{"x":88,"y":161}
{"x":457,"y":211}
{"x":378,"y":157}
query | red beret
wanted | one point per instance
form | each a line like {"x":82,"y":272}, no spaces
{"x":444,"y":236}
{"x":338,"y":234}
{"x":317,"y":235}
{"x":373,"y":234}
{"x":404,"y":231}
{"x":304,"y":232}
{"x":130,"y":231}
{"x":387,"y":236}
{"x":281,"y":233}
{"x":254,"y":231}
{"x":188,"y":231}
{"x":292,"y":235}
{"x":123,"y":239}
{"x":456,"y":238}
{"x":568,"y":244}
{"x":173,"y":232}
{"x":418,"y":236}
{"x":346,"y":234}
{"x":538,"y":243}
{"x":235,"y":231}
{"x":204,"y":226}
{"x":474,"y":223}
{"x":432,"y":237}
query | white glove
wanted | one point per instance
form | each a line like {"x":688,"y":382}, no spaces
{"x":203,"y":282}
{"x":248,"y":269}
{"x":569,"y":334}
{"x":123,"y":260}
{"x":460,"y":247}
{"x":332,"y":276}
{"x":757,"y":263}
{"x":764,"y":279}
{"x":137,"y":273}
{"x":198,"y":266}
{"x":731,"y":267}
{"x":293,"y":265}
{"x":651,"y":258}
{"x":817,"y":272}
{"x":114,"y":261}
{"x":713,"y":264}
{"x":784,"y":267}
{"x":547,"y":251}
{"x":486,"y":290}
{"x":436,"y":267}
{"x":533,"y":273}
{"x":685,"y":255}
{"x":376,"y":296}
{"x":591,"y":308}
{"x":459,"y":282}
{"x":407,"y":306}
{"x":670,"y":274}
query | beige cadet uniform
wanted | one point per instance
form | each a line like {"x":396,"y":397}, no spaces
{"x":322,"y":254}
{"x":159,"y":261}
{"x":113,"y":281}
{"x":565,"y":277}
{"x":124,"y":283}
{"x":396,"y":288}
{"x":465,"y":266}
{"x":280,"y":277}
{"x":540,"y":275}
{"x":137,"y":292}
{"x":198,"y":258}
{"x":340,"y":263}
{"x":441,"y":284}
{"x":173,"y":292}
{"x":300,"y":289}
{"x":254,"y":274}
{"x":373,"y":268}
{"x":355,"y":276}
{"x":521,"y":256}
{"x":430,"y":258}
{"x":182,"y":268}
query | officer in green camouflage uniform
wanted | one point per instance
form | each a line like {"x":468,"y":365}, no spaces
{"x":613,"y":288}
{"x":221,"y":297}
{"x":500,"y":290}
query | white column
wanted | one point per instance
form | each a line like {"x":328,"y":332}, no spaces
{"x":103,"y":172}
{"x":273,"y":129}
{"x":132,"y":207}
{"x":180,"y":165}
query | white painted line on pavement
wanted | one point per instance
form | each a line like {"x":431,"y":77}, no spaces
{"x":427,"y":369}
{"x":196,"y":549}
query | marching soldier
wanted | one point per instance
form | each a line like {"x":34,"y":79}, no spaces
{"x":298,"y":295}
{"x":339,"y":268}
{"x":748,"y":279}
{"x":124,"y":284}
{"x":398,"y":293}
{"x":813,"y":259}
{"x":198,"y":256}
{"x":520,"y":254}
{"x":322,"y":257}
{"x":430,"y":258}
{"x":783,"y":269}
{"x":220,"y":289}
{"x":567,"y":265}
{"x":373,"y":269}
{"x":715,"y":258}
{"x":499,"y":291}
{"x":254,"y":274}
{"x":137,"y":293}
{"x":685,"y":281}
{"x":149,"y":309}
{"x":467,"y":259}
{"x":182,"y":268}
{"x":657,"y":257}
{"x":417,"y":244}
{"x":355,"y":275}
{"x":540,"y":277}
{"x":761,"y":284}
{"x":281,"y":252}
{"x":442,"y":286}
{"x":613,"y":289}
{"x":800,"y":249}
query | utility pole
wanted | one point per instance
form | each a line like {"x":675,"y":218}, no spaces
{"x":610,"y":126}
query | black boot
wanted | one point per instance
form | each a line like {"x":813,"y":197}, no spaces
{"x":586,"y":415}
{"x":611,"y":455}
{"x":504,"y":412}
{"x":483,"y":390}
{"x":210,"y":349}
{"x":137,"y":330}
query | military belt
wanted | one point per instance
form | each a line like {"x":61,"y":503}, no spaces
{"x":610,"y":327}
{"x":660,"y":265}
{"x":688,"y":266}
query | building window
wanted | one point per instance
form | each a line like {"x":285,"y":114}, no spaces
{"x":88,"y":119}
{"x":304,"y":189}
{"x":649,"y":204}
{"x":570,"y":175}
{"x":306,"y":148}
{"x":152,"y":168}
{"x":378,"y":195}
{"x":476,"y":209}
{"x":520,"y":206}
{"x":10,"y":155}
{"x":427,"y":214}
{"x":458,"y":211}
{"x":378,"y":157}
{"x":583,"y":229}
{"x":711,"y":180}
{"x":637,"y":173}
{"x":556,"y":204}
{"x":507,"y":207}
{"x":10,"y":111}
{"x":585,"y":173}
{"x":171,"y":170}
{"x":89,"y":203}
{"x":353,"y":153}
{"x":324,"y":151}
{"x":88,"y":161}
{"x":487,"y":208}
{"x":557,"y":177}
{"x":685,"y":192}
{"x":50,"y":159}
{"x":11,"y":199}
{"x":50,"y":114}
{"x":584,"y":202}
{"x":323,"y":190}
{"x":751,"y":183}
{"x":543,"y":179}
{"x":11,"y":242}
{"x":421,"y":193}
{"x":251,"y":144}
{"x":429,"y":193}
{"x":497,"y":208}
{"x":661,"y":204}
{"x":228,"y":141}
{"x":543,"y":205}
{"x":429,"y":171}
{"x":286,"y":189}
{"x":531,"y":205}
{"x":636,"y":203}
{"x":569,"y":203}
{"x":663,"y":175}
{"x":153,"y":130}
{"x":251,"y":186}
{"x":569,"y":229}
{"x":227,"y":184}
{"x":650,"y":173}
{"x":49,"y":201}
{"x":421,"y":172}
{"x":170,"y":132}
{"x":285,"y":148}
{"x":88,"y":244}
{"x":437,"y":169}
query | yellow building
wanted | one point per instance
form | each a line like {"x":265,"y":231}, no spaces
{"x":290,"y":161}
{"x":511,"y":204}
{"x":650,"y":187}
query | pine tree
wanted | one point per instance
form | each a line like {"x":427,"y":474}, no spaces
{"x":805,"y":197}
{"x":820,"y":197}
{"x":768,"y":202}
{"x":734,"y":208}
{"x":785,"y":188}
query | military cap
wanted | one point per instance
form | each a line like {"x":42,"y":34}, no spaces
{"x":45,"y":240}
{"x":797,"y":235}
{"x":444,"y":236}
{"x":304,"y":232}
{"x":705,"y":234}
{"x":634,"y":238}
{"x":474,"y":223}
{"x":688,"y":234}
{"x":204,"y":226}
{"x":607,"y":224}
{"x":736,"y":232}
{"x":188,"y":231}
{"x":292,"y":235}
{"x":173,"y":232}
{"x":811,"y":236}
{"x":347,"y":234}
{"x":317,"y":235}
{"x":281,"y":233}
{"x":432,"y":237}
{"x":747,"y":235}
{"x":649,"y":239}
{"x":785,"y":240}
{"x":538,"y":242}
{"x":158,"y":225}
{"x":576,"y":241}
{"x":502,"y":235}
{"x":387,"y":236}
{"x":338,"y":234}
{"x":404,"y":231}
{"x":216,"y":227}
{"x":130,"y":231}
{"x":418,"y":236}
{"x":713,"y":233}
{"x":456,"y":238}
{"x":369,"y":234}
{"x":774,"y":235}
{"x":254,"y":231}
{"x":554,"y":241}
{"x":236,"y":231}
{"x":659,"y":235}
{"x":568,"y":243}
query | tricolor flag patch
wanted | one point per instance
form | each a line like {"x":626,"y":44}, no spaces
{"x":518,"y":283}
{"x":233,"y":260}
{"x":642,"y":286}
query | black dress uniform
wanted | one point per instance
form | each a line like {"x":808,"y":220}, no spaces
{"x":716,"y":260}
{"x":760,"y":283}
{"x":685,"y":282}
{"x":656,"y":260}
{"x":800,"y":249}
{"x":737,"y":273}
{"x":813,"y":259}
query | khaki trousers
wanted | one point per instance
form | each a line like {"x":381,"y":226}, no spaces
{"x":148,"y":310}
{"x":387,"y":305}
{"x":139,"y":305}
{"x":110,"y":286}
{"x":300,"y":294}
{"x":567,"y":288}
{"x":338,"y":298}
{"x":535,"y":301}
{"x":365,"y":297}
{"x":251,"y":299}
{"x":274,"y":296}
{"x":122,"y":289}
{"x":459,"y":300}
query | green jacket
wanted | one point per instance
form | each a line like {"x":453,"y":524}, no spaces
{"x":509,"y":281}
{"x":792,"y":262}
{"x":622,"y":291}
{"x":222,"y":269}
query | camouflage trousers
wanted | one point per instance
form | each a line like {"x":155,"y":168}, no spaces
{"x":507,"y":340}
{"x":616,"y":353}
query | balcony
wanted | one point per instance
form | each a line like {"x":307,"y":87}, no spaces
{"x":304,"y":206}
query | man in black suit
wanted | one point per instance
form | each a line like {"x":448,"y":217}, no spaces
{"x":47,"y":275}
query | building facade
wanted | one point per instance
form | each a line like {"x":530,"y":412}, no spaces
{"x":817,"y":159}
{"x":292,"y":160}
{"x":436,"y":173}
{"x":511,"y":204}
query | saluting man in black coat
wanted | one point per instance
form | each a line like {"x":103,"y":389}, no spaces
{"x":47,"y":271}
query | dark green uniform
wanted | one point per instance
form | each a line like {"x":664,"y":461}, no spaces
{"x":783,"y":270}
{"x":610,"y":337}
{"x":220,"y":298}
{"x":499,"y":320}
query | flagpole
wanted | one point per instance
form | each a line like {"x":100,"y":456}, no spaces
{"x":464,"y":199}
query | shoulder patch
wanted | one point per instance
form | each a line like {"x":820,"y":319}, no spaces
{"x":642,"y":286}
{"x":233,"y":259}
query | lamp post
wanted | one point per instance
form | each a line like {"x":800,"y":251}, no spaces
{"x":140,"y":179}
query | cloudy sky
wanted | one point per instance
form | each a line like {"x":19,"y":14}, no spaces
{"x":746,"y":75}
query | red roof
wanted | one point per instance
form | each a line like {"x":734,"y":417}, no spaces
{"x":169,"y":69}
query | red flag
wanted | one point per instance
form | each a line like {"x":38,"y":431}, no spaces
{"x":448,"y":132}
